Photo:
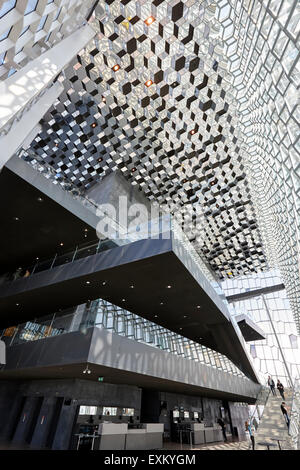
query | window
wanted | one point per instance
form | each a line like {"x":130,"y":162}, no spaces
{"x":128,"y":412}
{"x":7,"y":6}
{"x":31,"y":6}
{"x":253,"y":351}
{"x":88,"y":410}
{"x":109,"y":411}
{"x":294,"y":342}
{"x":5,"y":35}
{"x":42,"y":23}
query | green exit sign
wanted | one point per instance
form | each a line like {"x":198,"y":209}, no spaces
{"x":100,"y":379}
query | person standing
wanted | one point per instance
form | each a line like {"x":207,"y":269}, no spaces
{"x":250,"y":432}
{"x":222,"y":424}
{"x":284,"y":410}
{"x":271,"y":384}
{"x":280,"y":388}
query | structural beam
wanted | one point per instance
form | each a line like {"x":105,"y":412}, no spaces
{"x":21,"y":89}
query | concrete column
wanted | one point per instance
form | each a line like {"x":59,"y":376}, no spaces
{"x":41,"y":431}
{"x":64,"y":427}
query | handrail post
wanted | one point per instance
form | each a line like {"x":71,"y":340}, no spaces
{"x":53,"y":261}
{"x":75,"y":253}
{"x":14,"y":335}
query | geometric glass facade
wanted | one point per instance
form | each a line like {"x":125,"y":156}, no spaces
{"x":267,"y":354}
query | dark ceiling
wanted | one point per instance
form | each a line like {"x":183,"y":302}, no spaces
{"x":148,"y":265}
{"x":42,"y":226}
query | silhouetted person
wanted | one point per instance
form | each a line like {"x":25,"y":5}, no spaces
{"x":285,"y":413}
{"x":271,"y":384}
{"x":222,"y":424}
{"x":280,"y":389}
{"x":17,"y":274}
{"x":250,"y":432}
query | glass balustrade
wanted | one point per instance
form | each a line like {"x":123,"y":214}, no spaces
{"x":102,"y":314}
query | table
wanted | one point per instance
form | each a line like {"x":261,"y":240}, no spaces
{"x":86,"y":436}
{"x":278,"y":441}
{"x":268,"y":444}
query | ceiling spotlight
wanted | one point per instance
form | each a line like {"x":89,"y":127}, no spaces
{"x":149,"y":20}
{"x":116,"y":67}
{"x":40,"y":199}
{"x":155,"y":316}
{"x":94,"y":125}
{"x":17,"y":305}
{"x":86,"y":370}
{"x":16,"y":219}
{"x":100,"y":159}
{"x":132,"y":287}
{"x":133,"y":170}
{"x":87,"y":282}
{"x":148,"y":83}
{"x":198,"y":306}
{"x":123,"y":300}
{"x":61,"y":244}
{"x":169,"y":287}
{"x":161,"y":303}
{"x":193,"y":131}
{"x":103,"y":99}
{"x":86,"y":229}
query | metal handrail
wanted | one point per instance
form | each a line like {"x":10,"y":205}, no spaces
{"x":294,"y":428}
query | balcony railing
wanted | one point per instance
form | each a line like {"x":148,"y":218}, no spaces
{"x":102,"y":314}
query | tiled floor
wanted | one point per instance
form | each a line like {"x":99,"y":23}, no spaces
{"x":243,"y":445}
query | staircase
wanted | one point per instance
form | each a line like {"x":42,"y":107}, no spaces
{"x":272,"y":424}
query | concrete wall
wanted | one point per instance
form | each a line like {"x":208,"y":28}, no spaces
{"x":29,"y":408}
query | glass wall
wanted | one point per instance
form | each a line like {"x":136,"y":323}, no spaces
{"x":266,"y":354}
{"x":103,"y":314}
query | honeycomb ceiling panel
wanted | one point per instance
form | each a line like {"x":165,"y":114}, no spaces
{"x":152,"y":96}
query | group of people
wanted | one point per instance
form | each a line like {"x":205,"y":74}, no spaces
{"x":280,"y":387}
{"x":283,"y":406}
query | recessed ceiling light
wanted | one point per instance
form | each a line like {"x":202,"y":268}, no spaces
{"x":100,"y":159}
{"x":133,"y":170}
{"x":94,"y":125}
{"x":104,"y":283}
{"x":193,"y":131}
{"x":184,"y":316}
{"x":149,"y":20}
{"x":103,"y":99}
{"x":116,"y":67}
{"x":17,"y":305}
{"x":169,"y":287}
{"x":16,"y":219}
{"x":87,"y":282}
{"x":61,"y":244}
{"x":40,"y":199}
{"x":148,"y":83}
{"x":132,"y":287}
{"x":198,"y":306}
{"x":180,"y":328}
{"x":161,"y":303}
{"x":123,"y":300}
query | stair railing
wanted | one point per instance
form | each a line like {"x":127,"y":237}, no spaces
{"x":294,"y":427}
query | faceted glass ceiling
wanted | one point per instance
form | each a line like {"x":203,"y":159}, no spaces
{"x":195,"y":102}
